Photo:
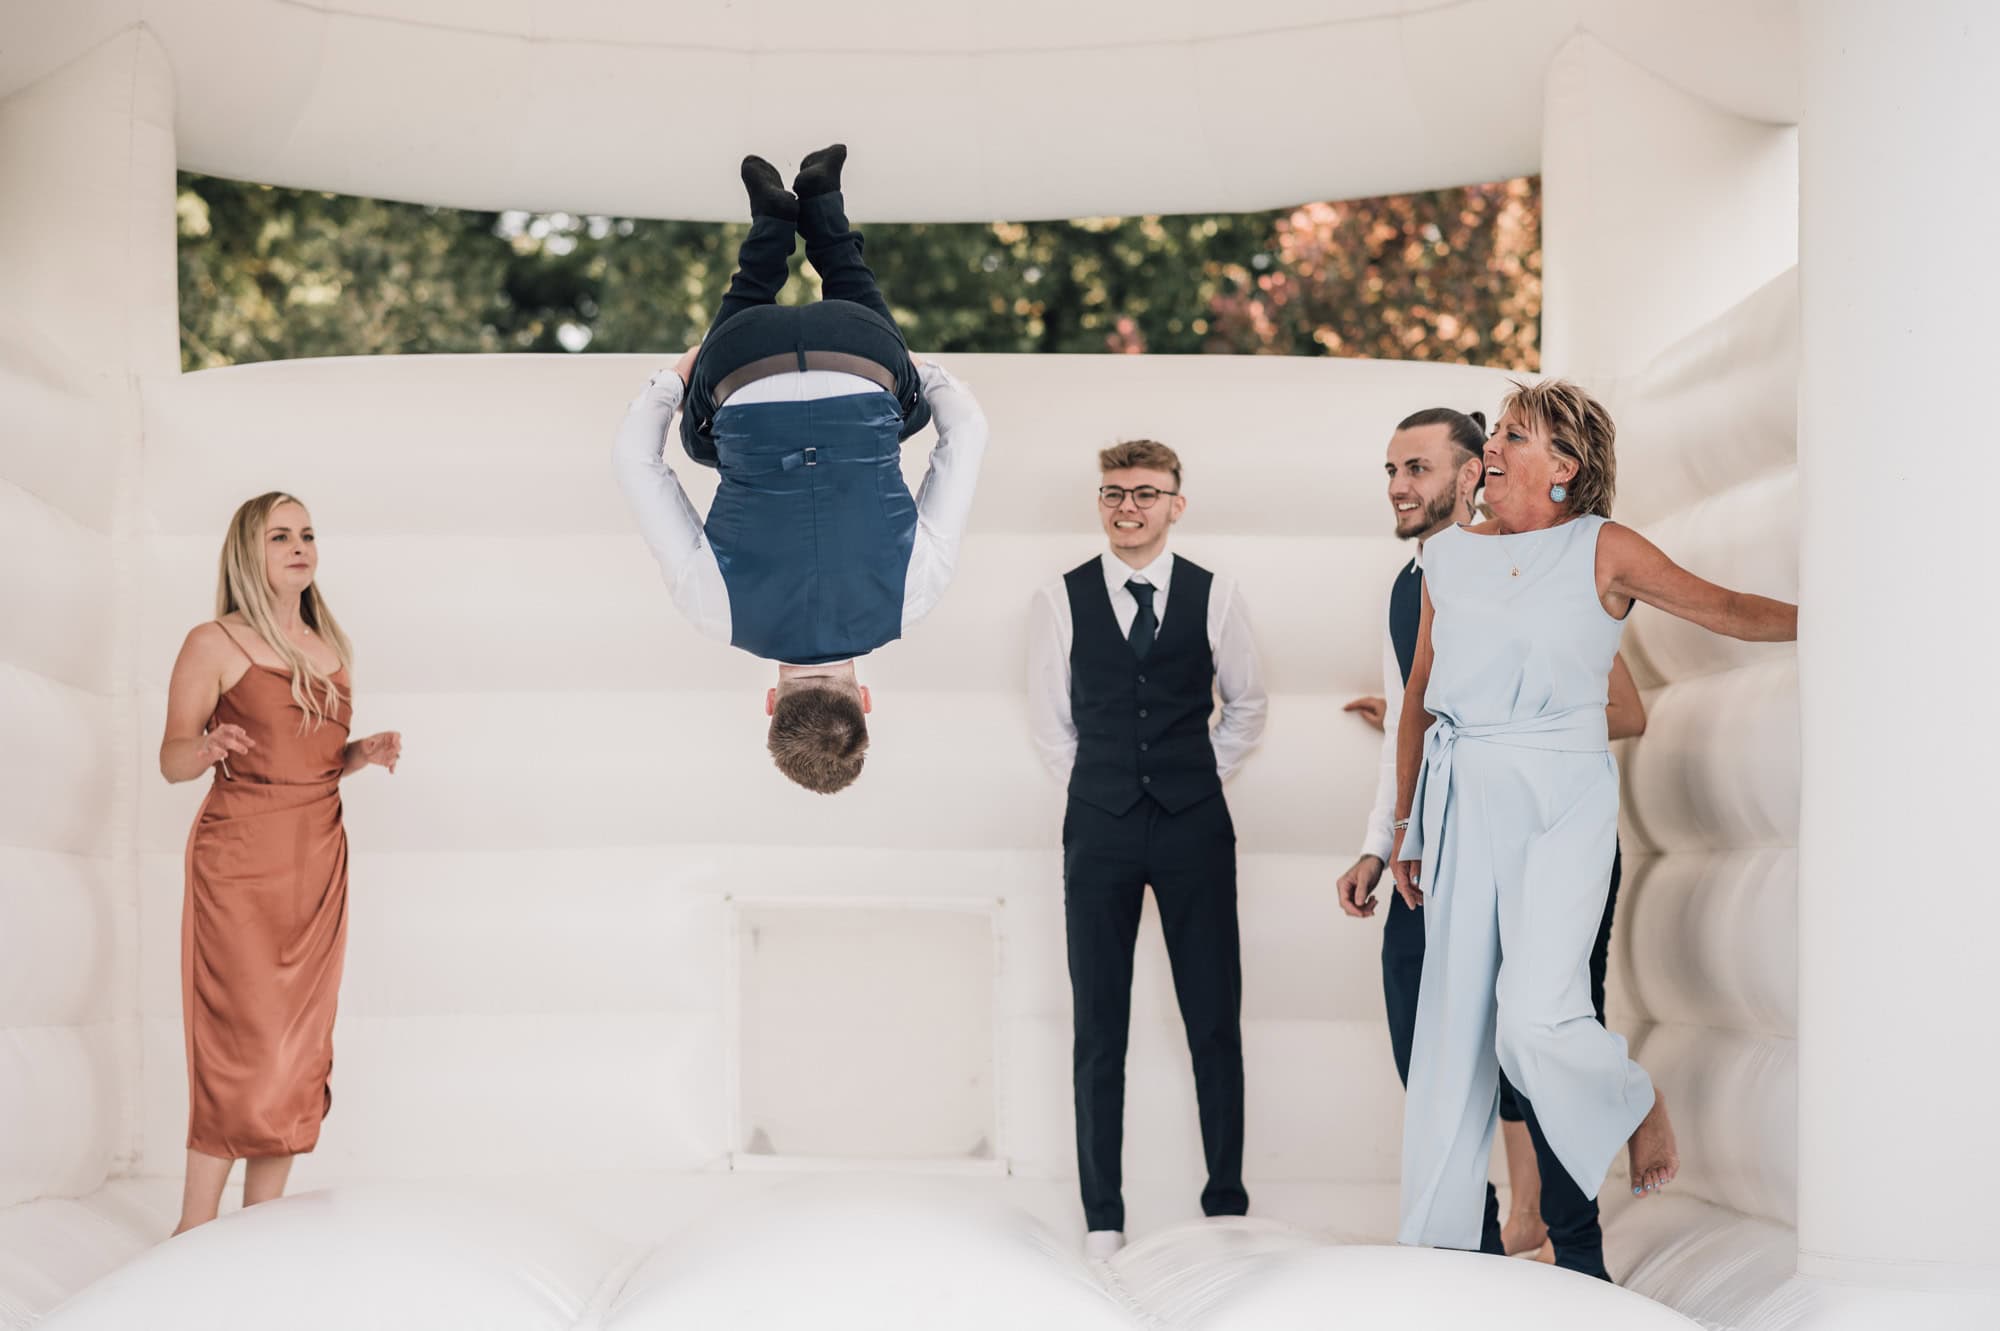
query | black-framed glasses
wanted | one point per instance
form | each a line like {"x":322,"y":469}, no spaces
{"x":1145,"y":496}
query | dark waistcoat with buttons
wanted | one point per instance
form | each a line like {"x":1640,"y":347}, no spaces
{"x":1406,"y":612}
{"x":1141,"y":726}
{"x":813,"y":540}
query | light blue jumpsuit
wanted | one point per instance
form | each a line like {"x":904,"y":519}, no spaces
{"x":1515,"y":821}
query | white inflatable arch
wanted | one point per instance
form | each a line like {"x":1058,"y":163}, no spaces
{"x":598,"y":946}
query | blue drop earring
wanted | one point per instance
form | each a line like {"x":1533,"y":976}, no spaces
{"x":1558,"y":493}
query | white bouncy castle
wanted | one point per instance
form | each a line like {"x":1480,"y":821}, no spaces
{"x":635,"y":1035}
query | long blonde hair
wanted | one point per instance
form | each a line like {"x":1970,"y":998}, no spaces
{"x":242,"y":587}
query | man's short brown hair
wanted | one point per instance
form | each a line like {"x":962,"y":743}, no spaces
{"x":1148,"y":453}
{"x":819,"y":737}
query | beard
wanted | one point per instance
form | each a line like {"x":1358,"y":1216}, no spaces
{"x":1443,"y":508}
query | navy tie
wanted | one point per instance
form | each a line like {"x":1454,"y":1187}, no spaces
{"x":1145,"y":624}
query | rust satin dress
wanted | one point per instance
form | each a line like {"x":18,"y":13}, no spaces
{"x":264,"y":926}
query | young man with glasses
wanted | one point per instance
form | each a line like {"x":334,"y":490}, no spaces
{"x":1126,"y":655}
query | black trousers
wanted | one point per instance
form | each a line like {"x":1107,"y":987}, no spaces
{"x":749,"y":325}
{"x":1189,"y":858}
{"x":1569,"y":1214}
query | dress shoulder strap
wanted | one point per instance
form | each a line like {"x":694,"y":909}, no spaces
{"x":233,"y":643}
{"x":1592,"y":527}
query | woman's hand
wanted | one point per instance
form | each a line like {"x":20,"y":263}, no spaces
{"x":1407,"y":873}
{"x":381,"y":750}
{"x":684,"y":367}
{"x":219,"y":743}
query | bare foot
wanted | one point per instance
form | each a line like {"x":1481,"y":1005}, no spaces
{"x":1523,"y":1232}
{"x":1655,"y":1158}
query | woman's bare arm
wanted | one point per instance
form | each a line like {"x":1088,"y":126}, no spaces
{"x":1410,"y":731}
{"x":188,"y":749}
{"x":1631,"y":568}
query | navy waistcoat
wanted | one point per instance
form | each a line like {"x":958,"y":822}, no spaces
{"x":1406,"y":614}
{"x":1141,"y":727}
{"x":812,"y":526}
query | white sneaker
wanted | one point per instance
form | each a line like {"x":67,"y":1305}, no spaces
{"x":1100,"y":1245}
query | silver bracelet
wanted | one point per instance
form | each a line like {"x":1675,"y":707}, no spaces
{"x":1400,"y":824}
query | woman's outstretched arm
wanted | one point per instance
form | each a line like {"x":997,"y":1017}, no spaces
{"x":1631,"y":568}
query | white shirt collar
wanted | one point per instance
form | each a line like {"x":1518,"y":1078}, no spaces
{"x":1117,"y":572}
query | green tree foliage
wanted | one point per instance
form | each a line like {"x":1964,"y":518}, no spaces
{"x":1447,"y":275}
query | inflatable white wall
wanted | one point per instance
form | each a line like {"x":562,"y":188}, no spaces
{"x":1672,"y":238}
{"x":606,"y":965}
{"x":87,"y":315}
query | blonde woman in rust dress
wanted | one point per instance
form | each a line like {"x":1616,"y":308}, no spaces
{"x":261,"y":696}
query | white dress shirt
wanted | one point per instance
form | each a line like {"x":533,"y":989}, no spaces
{"x":673,"y":530}
{"x":1238,"y":677}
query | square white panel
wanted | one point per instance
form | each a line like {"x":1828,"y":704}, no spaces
{"x":866,"y":1032}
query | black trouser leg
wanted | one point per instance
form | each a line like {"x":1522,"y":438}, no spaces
{"x":1192,"y":862}
{"x":1491,"y":1241}
{"x":1104,"y":885}
{"x":1600,"y":952}
{"x":835,"y":251}
{"x":763,"y":263}
{"x":1570,"y":1216}
{"x":1402,"y":977}
{"x":1511,"y":1111}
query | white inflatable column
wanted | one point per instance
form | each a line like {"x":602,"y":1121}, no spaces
{"x":87,"y":309}
{"x":1898,"y":904}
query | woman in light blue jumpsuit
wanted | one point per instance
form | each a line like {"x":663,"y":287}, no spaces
{"x":1508,"y":812}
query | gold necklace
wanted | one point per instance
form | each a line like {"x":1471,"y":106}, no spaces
{"x":1514,"y":564}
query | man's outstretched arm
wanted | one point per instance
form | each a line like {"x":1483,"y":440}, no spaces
{"x":666,"y":516}
{"x":944,"y":500}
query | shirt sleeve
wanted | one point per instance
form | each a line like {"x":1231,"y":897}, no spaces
{"x":666,"y":517}
{"x":944,"y":500}
{"x":1381,"y":838}
{"x":1049,"y":718}
{"x":1239,"y":679}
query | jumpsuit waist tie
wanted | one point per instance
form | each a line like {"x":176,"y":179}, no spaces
{"x":1578,"y":730}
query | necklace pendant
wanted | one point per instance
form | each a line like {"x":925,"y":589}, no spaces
{"x":1515,"y":574}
